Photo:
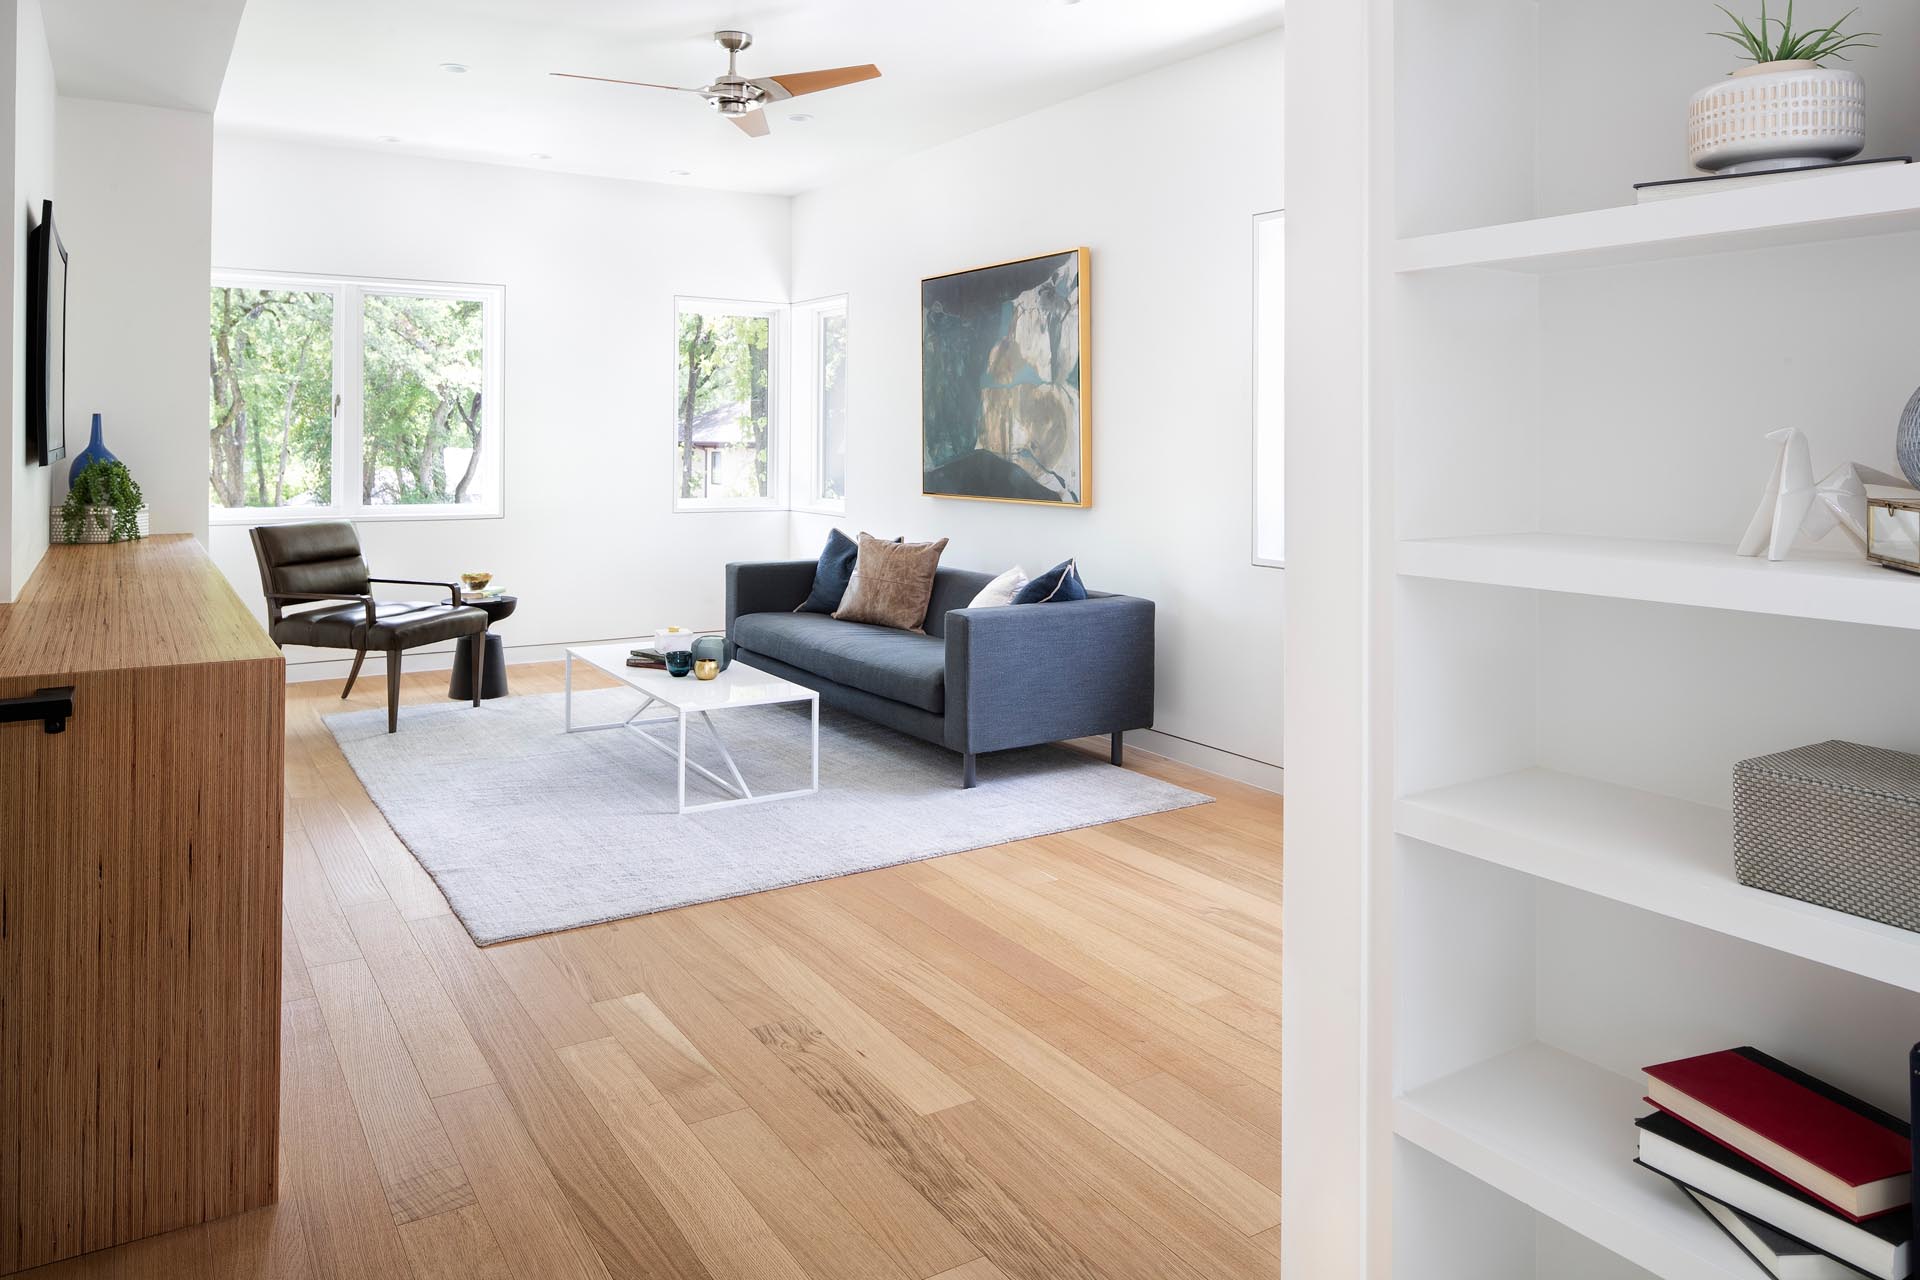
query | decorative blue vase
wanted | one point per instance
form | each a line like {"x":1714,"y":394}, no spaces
{"x":96,"y":451}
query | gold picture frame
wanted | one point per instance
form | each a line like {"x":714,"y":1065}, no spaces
{"x":1005,"y":410}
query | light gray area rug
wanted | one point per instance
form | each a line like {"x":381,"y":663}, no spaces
{"x":530,"y":830}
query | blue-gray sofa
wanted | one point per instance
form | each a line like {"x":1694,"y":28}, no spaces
{"x":980,"y":680}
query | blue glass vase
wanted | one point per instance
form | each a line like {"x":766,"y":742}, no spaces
{"x":96,"y":451}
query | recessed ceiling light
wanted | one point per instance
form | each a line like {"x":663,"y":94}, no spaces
{"x":679,"y":173}
{"x":800,"y":117}
{"x":538,"y":155}
{"x":387,"y":137}
{"x":455,"y":68}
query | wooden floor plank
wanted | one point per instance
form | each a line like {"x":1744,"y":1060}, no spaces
{"x":630,"y":1229}
{"x":667,"y":1059}
{"x":539,"y":1234}
{"x":328,"y":1169}
{"x":422,"y":1176}
{"x":1209,"y":1179}
{"x":545,"y":993}
{"x":455,"y":1246}
{"x":1010,"y":1234}
{"x":724,"y":1227}
{"x":319,"y":928}
{"x":339,"y":851}
{"x":1252,"y":1150}
{"x":919,"y":1083}
{"x":815,"y":1227}
{"x":443,"y":1049}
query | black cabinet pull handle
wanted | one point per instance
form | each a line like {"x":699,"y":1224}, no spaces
{"x":51,"y":707}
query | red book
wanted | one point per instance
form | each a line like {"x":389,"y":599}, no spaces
{"x":1852,"y":1157}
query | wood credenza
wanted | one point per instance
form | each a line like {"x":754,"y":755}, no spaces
{"x":139,"y":903}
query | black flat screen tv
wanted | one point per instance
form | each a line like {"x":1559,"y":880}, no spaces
{"x":46,"y":341}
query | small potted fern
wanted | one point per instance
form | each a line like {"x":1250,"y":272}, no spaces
{"x":104,"y":504}
{"x":1787,"y":109}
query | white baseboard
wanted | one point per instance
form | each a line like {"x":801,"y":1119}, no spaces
{"x":1227,"y":764}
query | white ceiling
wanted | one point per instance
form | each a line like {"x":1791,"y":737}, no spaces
{"x":357,"y":71}
{"x":162,"y":53}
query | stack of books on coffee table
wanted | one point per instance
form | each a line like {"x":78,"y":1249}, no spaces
{"x":1812,"y":1182}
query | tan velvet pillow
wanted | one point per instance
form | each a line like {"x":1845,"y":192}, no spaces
{"x":892,"y":583}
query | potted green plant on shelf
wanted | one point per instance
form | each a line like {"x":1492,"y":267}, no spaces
{"x":1787,"y":109}
{"x":104,"y":504}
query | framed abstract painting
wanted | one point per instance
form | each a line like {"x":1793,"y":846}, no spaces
{"x":1003,"y":382}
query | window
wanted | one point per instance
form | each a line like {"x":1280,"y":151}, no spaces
{"x":820,"y":404}
{"x":725,"y":390}
{"x":1269,"y":400}
{"x":367,"y":399}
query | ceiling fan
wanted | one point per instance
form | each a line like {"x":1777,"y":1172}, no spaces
{"x":740,"y":99}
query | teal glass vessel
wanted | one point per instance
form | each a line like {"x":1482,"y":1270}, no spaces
{"x":712,"y":649}
{"x":679,"y":662}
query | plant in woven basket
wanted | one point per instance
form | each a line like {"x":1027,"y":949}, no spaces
{"x":106,"y":494}
{"x":1777,"y":40}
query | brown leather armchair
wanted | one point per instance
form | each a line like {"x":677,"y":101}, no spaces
{"x":318,"y":562}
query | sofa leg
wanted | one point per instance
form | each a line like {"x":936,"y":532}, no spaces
{"x":1119,"y":748}
{"x":966,"y":770}
{"x":393,"y":691}
{"x":359,"y":656}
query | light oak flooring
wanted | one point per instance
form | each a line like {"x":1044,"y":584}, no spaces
{"x":1051,"y":1060}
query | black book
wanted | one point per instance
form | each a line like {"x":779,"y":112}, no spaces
{"x":1778,"y":1254}
{"x":1878,"y":1246}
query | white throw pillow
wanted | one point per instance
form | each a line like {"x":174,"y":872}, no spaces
{"x":1001,"y":590}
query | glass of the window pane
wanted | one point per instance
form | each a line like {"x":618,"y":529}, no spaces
{"x":423,"y":427}
{"x":833,"y":405}
{"x":271,"y":428}
{"x":722,"y":431}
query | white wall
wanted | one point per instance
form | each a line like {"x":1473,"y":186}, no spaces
{"x":29,"y":135}
{"x":589,"y":541}
{"x":136,"y":201}
{"x":1160,"y":177}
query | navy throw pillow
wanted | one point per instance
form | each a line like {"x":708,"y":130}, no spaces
{"x":831,"y":575}
{"x":1062,"y":582}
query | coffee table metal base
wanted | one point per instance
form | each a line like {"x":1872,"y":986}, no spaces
{"x":738,"y":789}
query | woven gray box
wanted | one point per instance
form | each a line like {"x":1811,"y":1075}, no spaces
{"x":1836,"y":824}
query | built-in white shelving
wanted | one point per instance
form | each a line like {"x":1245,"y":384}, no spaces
{"x":1835,"y":586}
{"x":1554,"y":357}
{"x":1833,"y":206}
{"x":1651,"y":851}
{"x":1556,"y":1133}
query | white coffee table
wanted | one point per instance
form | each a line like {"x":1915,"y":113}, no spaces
{"x":738,"y":686}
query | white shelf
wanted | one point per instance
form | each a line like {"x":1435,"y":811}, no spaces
{"x":1649,"y":851}
{"x":1556,"y":1133}
{"x":1831,"y":586}
{"x":1831,"y":207}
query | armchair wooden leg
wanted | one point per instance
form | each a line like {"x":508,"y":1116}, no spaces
{"x":393,"y":691}
{"x":1119,"y":747}
{"x":966,"y":770}
{"x":479,"y":647}
{"x":360,"y":656}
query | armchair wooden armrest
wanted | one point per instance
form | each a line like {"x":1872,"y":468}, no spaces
{"x":302,"y":597}
{"x":453,"y":588}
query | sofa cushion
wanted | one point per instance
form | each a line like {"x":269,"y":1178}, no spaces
{"x":902,"y":665}
{"x":1062,"y":583}
{"x":892,"y":583}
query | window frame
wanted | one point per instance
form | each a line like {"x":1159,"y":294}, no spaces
{"x":808,"y":428}
{"x":776,"y":314}
{"x":1278,"y":393}
{"x":349,"y":393}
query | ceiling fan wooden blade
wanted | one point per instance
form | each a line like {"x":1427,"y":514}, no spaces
{"x":792,"y":86}
{"x":753,"y":123}
{"x":574,"y":75}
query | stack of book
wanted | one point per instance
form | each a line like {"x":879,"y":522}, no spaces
{"x":1811,"y":1182}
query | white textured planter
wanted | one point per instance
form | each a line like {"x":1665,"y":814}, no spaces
{"x":1777,"y":115}
{"x":95,"y":526}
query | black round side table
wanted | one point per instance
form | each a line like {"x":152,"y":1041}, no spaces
{"x":493,"y":668}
